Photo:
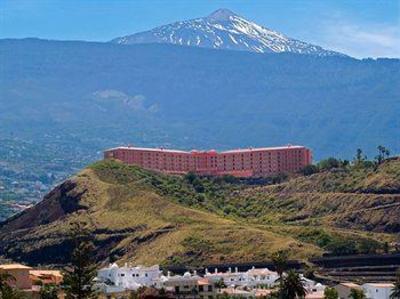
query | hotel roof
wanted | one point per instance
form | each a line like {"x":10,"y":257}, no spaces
{"x":148,"y":149}
{"x":251,"y":149}
{"x":240,"y":150}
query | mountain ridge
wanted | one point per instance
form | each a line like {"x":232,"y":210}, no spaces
{"x":63,"y":102}
{"x":224,"y":29}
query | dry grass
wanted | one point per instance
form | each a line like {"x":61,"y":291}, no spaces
{"x":148,"y":218}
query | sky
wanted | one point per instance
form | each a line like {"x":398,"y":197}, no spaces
{"x":360,"y":28}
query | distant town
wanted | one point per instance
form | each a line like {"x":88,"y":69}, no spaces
{"x":137,"y":281}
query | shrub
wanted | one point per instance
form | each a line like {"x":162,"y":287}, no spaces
{"x":309,"y":170}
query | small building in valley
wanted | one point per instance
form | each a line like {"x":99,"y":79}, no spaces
{"x":20,"y":275}
{"x":377,"y":290}
{"x":251,"y":278}
{"x":344,"y":289}
{"x":46,"y":277}
{"x":190,"y":286}
{"x":130,"y":277}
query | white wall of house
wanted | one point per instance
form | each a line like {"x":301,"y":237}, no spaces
{"x":377,"y":290}
{"x":250,"y":278}
{"x":130,"y":277}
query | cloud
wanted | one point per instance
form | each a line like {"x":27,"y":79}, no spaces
{"x":367,"y":40}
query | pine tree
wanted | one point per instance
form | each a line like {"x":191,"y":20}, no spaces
{"x":78,"y":277}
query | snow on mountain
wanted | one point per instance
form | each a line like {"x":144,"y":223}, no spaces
{"x":224,"y":29}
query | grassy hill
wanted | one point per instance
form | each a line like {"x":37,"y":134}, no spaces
{"x":146,"y":217}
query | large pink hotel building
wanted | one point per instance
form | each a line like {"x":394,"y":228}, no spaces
{"x":251,"y":162}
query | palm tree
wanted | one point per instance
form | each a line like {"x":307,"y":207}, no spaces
{"x":292,"y":286}
{"x":395,"y":294}
{"x":280,"y":261}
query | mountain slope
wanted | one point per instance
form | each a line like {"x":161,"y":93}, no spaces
{"x":152,"y":218}
{"x":166,"y":95}
{"x":224,"y":29}
{"x":132,"y":220}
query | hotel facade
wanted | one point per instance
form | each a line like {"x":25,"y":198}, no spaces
{"x":251,"y":162}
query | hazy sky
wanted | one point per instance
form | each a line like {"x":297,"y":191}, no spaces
{"x":361,"y":28}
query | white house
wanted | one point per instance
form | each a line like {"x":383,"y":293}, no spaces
{"x":377,"y":290}
{"x":311,"y":286}
{"x":129,"y":277}
{"x":262,"y":277}
{"x":251,"y":278}
{"x":189,"y":286}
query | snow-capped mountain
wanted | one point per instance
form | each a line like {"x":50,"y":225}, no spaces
{"x":224,"y":29}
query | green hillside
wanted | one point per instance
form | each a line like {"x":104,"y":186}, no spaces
{"x":145,"y":217}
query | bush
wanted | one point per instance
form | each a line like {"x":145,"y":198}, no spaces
{"x":330,"y":293}
{"x":198,"y":185}
{"x":342,"y":247}
{"x":309,"y":170}
{"x":329,"y":164}
{"x":190,"y":177}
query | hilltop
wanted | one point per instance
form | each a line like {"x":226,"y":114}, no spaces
{"x":146,"y":217}
{"x":224,"y":29}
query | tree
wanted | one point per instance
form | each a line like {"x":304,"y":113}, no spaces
{"x":309,"y":170}
{"x":220,"y":284}
{"x":280,"y":261}
{"x":78,"y":277}
{"x":395,"y":294}
{"x":198,"y":185}
{"x":329,"y":164}
{"x":360,"y":158}
{"x":190,"y":177}
{"x":331,"y":293}
{"x":357,"y":294}
{"x":292,"y":286}
{"x":49,"y":291}
{"x":383,"y":153}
